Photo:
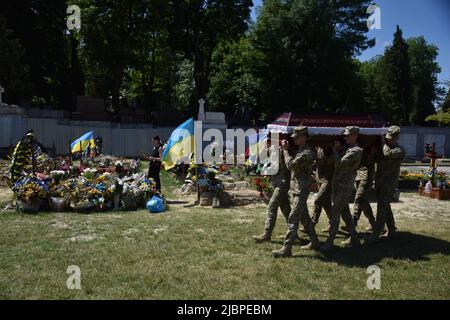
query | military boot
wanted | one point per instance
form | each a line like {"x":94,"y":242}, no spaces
{"x":284,"y":252}
{"x":265,"y":237}
{"x":389,"y":234}
{"x":355,"y":220}
{"x":372,"y":228}
{"x":313,"y":245}
{"x":374,"y":237}
{"x":327,"y":246}
{"x":352,"y":242}
{"x":372,"y":223}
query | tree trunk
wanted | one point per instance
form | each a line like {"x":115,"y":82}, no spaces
{"x":116,"y":88}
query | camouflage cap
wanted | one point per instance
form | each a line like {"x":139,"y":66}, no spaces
{"x":300,"y":131}
{"x":393,"y":132}
{"x":350,"y":130}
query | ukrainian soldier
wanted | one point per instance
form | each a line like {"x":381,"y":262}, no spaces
{"x":363,"y":184}
{"x":386,"y":182}
{"x":325,"y":169}
{"x":280,"y":199}
{"x":300,"y":164}
{"x":346,"y":165}
{"x":324,"y":173}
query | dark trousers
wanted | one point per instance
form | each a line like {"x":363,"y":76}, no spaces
{"x":154,"y":174}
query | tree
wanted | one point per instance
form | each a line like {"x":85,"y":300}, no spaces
{"x":40,"y":27}
{"x":424,"y":71}
{"x":13,"y":72}
{"x":442,"y":117}
{"x":198,"y":26}
{"x":308,"y":48}
{"x":185,"y":85}
{"x":371,"y":77}
{"x":108,"y":27}
{"x":397,"y":84}
{"x":445,"y":106}
{"x":234,"y":86}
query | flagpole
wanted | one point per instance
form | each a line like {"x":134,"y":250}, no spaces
{"x":70,"y":155}
{"x":33,"y":160}
{"x":81,"y":155}
{"x":198,"y":187}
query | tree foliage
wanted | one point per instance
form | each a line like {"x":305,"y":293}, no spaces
{"x":308,"y":48}
{"x":299,"y":56}
{"x":235,"y":89}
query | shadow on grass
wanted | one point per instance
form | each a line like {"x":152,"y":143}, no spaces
{"x":405,"y":246}
{"x":177,"y":202}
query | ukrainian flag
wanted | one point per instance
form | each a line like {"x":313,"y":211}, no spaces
{"x":253,"y":148}
{"x":257,"y":145}
{"x":262,"y":141}
{"x":83,"y":142}
{"x":180,"y":144}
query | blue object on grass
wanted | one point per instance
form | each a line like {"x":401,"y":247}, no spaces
{"x":156,"y":205}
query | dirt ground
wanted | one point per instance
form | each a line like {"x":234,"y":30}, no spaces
{"x":5,"y":196}
{"x":411,"y":205}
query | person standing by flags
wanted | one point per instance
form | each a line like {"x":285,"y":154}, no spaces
{"x":155,"y":159}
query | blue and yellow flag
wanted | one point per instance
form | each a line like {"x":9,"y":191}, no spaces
{"x":253,"y":148}
{"x":83,"y":142}
{"x":263,"y":136}
{"x":180,"y":145}
{"x":257,"y":145}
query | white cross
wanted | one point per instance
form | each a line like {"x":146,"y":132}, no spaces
{"x":2,"y":90}
{"x":201,"y":111}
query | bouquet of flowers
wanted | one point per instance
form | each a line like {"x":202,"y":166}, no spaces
{"x":59,"y":195}
{"x":441,"y":180}
{"x":148,"y":185}
{"x":57,"y":175}
{"x":131,"y":195}
{"x":89,"y":173}
{"x":263,"y":185}
{"x":79,"y":195}
{"x":30,"y":192}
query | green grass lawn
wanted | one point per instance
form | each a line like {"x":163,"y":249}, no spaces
{"x":204,"y":253}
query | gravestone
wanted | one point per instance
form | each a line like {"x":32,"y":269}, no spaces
{"x":214,"y":120}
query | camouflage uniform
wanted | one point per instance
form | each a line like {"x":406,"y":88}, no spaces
{"x":386,"y":182}
{"x":300,"y":166}
{"x":280,"y":196}
{"x":325,"y":168}
{"x":346,"y":165}
{"x":363,"y":183}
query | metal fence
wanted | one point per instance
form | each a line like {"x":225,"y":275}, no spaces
{"x":131,"y":140}
{"x":121,"y":140}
